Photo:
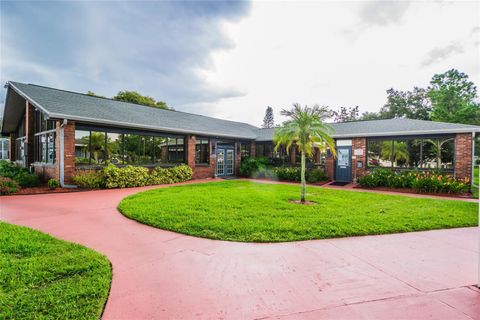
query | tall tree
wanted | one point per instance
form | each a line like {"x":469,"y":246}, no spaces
{"x":406,"y":104}
{"x":268,"y":119}
{"x":135,"y":97}
{"x":307,"y":129}
{"x":454,"y":98}
{"x":346,"y":114}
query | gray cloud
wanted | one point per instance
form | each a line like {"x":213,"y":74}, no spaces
{"x":157,"y":48}
{"x":439,"y":54}
{"x":382,"y":13}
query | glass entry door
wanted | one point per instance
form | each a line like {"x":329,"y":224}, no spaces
{"x":225,"y":165}
{"x":220,"y":162}
{"x":229,"y":162}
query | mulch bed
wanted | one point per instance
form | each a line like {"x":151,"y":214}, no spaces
{"x":45,"y":189}
{"x":406,"y":190}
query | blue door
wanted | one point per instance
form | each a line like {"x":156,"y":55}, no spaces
{"x":343,"y":168}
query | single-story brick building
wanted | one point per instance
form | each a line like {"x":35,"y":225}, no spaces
{"x":57,"y":133}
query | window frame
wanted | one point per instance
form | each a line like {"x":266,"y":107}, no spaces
{"x":407,"y":138}
{"x":207,"y":151}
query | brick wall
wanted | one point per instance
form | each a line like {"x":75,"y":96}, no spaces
{"x":200,"y":171}
{"x":359,"y":143}
{"x":463,"y":156}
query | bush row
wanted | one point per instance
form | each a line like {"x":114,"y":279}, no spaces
{"x":129,"y":176}
{"x":259,"y":168}
{"x":432,"y":182}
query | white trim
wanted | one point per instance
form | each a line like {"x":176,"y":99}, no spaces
{"x":145,"y":127}
{"x":407,"y":133}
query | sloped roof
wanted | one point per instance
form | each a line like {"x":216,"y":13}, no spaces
{"x":61,"y":104}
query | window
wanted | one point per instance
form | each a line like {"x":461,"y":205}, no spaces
{"x":260,"y":150}
{"x":176,"y":150}
{"x":202,"y":151}
{"x":245,"y":150}
{"x":99,"y":147}
{"x":98,"y":151}
{"x":82,"y":147}
{"x":44,"y":139}
{"x":4,"y":147}
{"x":114,"y":148}
{"x":412,"y":153}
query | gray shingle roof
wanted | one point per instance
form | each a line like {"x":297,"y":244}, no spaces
{"x":76,"y":106}
{"x":80,"y":107}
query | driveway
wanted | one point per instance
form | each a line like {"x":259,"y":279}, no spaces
{"x":165,"y":275}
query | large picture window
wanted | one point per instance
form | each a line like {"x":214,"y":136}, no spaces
{"x":99,"y":147}
{"x":426,"y":153}
{"x":44,"y":139}
{"x":202,"y":150}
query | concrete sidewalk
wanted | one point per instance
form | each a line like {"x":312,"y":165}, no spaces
{"x":165,"y":275}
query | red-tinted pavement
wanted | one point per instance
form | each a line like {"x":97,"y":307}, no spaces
{"x":165,"y":275}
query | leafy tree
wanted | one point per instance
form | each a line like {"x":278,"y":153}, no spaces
{"x":347,"y":114}
{"x":268,"y":119}
{"x":406,"y":104}
{"x":454,"y":98}
{"x":370,"y":116}
{"x":135,"y":97}
{"x":93,"y":94}
{"x":305,"y":128}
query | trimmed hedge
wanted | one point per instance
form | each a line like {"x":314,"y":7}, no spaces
{"x":259,"y":168}
{"x":130,"y":176}
{"x":432,"y":182}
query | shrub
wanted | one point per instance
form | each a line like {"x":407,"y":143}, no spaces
{"x":53,"y":184}
{"x":89,"y":180}
{"x":250,"y":166}
{"x":128,"y":176}
{"x":8,"y":186}
{"x":26,"y":179}
{"x":170,"y":175}
{"x":288,"y":173}
{"x":10,"y":170}
{"x":433,"y":182}
{"x":316,"y":175}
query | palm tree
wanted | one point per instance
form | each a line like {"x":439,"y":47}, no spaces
{"x":305,"y":128}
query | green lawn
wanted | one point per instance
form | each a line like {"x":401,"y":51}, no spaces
{"x":258,"y":212}
{"x":475,"y":182}
{"x":45,"y":278}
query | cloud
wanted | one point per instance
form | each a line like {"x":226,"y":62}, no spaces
{"x":440,"y":54}
{"x":157,"y":48}
{"x":382,"y":13}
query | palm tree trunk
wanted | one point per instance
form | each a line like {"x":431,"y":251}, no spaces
{"x":304,"y":184}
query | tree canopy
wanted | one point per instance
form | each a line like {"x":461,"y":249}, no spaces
{"x":454,"y":98}
{"x":135,"y":97}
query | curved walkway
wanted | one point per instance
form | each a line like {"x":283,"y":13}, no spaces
{"x":165,"y":275}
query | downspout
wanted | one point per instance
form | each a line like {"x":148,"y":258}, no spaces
{"x":62,"y":156}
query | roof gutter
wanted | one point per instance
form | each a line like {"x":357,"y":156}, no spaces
{"x":138,"y":126}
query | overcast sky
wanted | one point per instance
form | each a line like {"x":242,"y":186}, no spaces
{"x":233,"y":59}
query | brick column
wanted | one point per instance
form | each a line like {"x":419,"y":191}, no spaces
{"x":252,"y":149}
{"x":12,"y":154}
{"x":238,"y":157}
{"x":69,"y":152}
{"x":463,"y":156}
{"x":191,"y":140}
{"x":29,"y":133}
{"x":360,"y":144}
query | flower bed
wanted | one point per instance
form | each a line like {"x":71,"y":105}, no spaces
{"x":416,"y":181}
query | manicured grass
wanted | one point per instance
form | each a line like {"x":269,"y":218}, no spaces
{"x":259,"y":212}
{"x":45,"y":278}
{"x":475,"y":182}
